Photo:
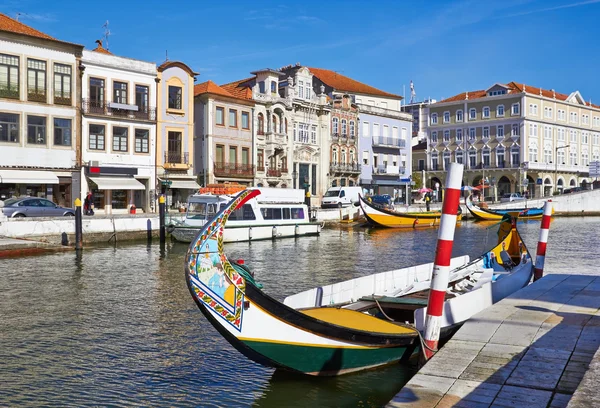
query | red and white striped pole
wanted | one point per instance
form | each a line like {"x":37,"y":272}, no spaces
{"x":443,"y":255}
{"x":540,"y":257}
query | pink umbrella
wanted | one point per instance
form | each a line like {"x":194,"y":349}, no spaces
{"x":425,"y":190}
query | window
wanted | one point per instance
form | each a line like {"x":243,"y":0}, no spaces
{"x":533,"y":109}
{"x":303,"y":132}
{"x":344,"y":127}
{"x":500,"y":132}
{"x":459,"y":135}
{"x":585,"y":119}
{"x":585,"y":138}
{"x":486,"y":112}
{"x":96,"y":92}
{"x":497,"y":92}
{"x":175,"y":97}
{"x":434,"y":161}
{"x":472,"y":114}
{"x":472,"y":158}
{"x":585,"y":158}
{"x":36,"y":80}
{"x":515,"y":155}
{"x":533,"y":152}
{"x":336,"y":126}
{"x":295,"y":133}
{"x":573,"y":117}
{"x":120,"y":92}
{"x":232,"y":118}
{"x":500,"y":156}
{"x":352,"y":129}
{"x":62,"y":84}
{"x":313,"y":134}
{"x":561,"y":114}
{"x":9,"y":127}
{"x":273,"y":87}
{"x":260,"y":159}
{"x":596,"y":121}
{"x":459,"y":116}
{"x":595,"y":139}
{"x":471,"y":133}
{"x":446,"y":117}
{"x":245,"y":120}
{"x":485,"y":157}
{"x":573,"y":157}
{"x":233,"y":154}
{"x":500,"y":111}
{"x":365,"y":157}
{"x":560,"y":135}
{"x":434,"y":118}
{"x":141,"y":140}
{"x":446,"y":135}
{"x":96,"y":139}
{"x":515,"y":130}
{"x":548,"y":112}
{"x":62,"y":132}
{"x":375,"y":129}
{"x":141,"y":98}
{"x":301,"y":89}
{"x":446,"y":159}
{"x":386,"y":131}
{"x":174,"y":147}
{"x":533,"y":130}
{"x":395,"y":132}
{"x":220,"y":154}
{"x":246,"y":155}
{"x":547,"y":154}
{"x":560,"y":156}
{"x":486,"y":132}
{"x":548,"y":132}
{"x":36,"y":130}
{"x":434,"y":138}
{"x":365,"y":129}
{"x":119,"y":139}
{"x":573,"y":136}
{"x":515,"y":109}
{"x":9,"y":76}
{"x":220,"y":116}
{"x":459,"y":156}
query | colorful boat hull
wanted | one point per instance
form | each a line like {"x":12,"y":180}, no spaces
{"x":485,"y":214}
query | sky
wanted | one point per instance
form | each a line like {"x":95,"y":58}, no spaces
{"x":444,"y":47}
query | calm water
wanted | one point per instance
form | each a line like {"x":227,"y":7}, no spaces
{"x":118,"y":327}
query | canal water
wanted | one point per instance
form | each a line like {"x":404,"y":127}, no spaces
{"x":118,"y":327}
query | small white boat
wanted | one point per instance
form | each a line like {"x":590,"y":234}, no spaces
{"x":275,"y":213}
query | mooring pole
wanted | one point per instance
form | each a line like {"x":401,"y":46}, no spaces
{"x":161,"y":215}
{"x":443,"y":255}
{"x":540,"y":256}
{"x":78,"y":226}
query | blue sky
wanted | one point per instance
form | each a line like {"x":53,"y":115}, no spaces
{"x":445,"y":47}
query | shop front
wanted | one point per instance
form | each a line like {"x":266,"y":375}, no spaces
{"x":32,"y":183}
{"x":177,"y":190}
{"x":117,"y":190}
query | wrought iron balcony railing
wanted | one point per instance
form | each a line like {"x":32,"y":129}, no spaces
{"x":344,"y":168}
{"x":273,"y":173}
{"x":101,"y":108}
{"x":60,"y":100}
{"x":12,"y":93}
{"x":36,"y":96}
{"x":177,"y":157}
{"x":233,"y":170}
{"x":388,"y":142}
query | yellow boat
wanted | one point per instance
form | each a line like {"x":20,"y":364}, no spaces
{"x":486,"y":214}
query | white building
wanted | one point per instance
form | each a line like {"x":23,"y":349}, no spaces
{"x":38,"y":115}
{"x":118,"y":131}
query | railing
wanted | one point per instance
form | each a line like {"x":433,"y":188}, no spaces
{"x":60,"y":100}
{"x":36,"y":96}
{"x":388,"y":170}
{"x":344,"y":167}
{"x":177,"y":157}
{"x":9,"y":93}
{"x":386,"y":112}
{"x":273,"y":173}
{"x":388,"y":141}
{"x":260,"y":168}
{"x":91,"y":107}
{"x":284,"y":170}
{"x":233,"y":169}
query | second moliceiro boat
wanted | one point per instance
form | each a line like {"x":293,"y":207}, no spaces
{"x":275,"y":213}
{"x":487,"y":214}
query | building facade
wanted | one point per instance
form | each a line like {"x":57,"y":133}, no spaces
{"x":175,"y":132}
{"x":118,"y":131}
{"x":514,"y":138}
{"x":224,"y":135}
{"x":39,"y":89}
{"x":344,"y":168}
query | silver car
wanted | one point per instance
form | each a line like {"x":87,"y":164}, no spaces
{"x":33,"y":207}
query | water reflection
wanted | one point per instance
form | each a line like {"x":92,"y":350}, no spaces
{"x":117,"y":325}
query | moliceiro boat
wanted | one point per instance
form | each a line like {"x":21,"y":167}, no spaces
{"x":275,"y":213}
{"x":486,"y":214}
{"x":349,"y":326}
{"x":386,"y":217}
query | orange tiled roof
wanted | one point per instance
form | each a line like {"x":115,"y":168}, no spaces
{"x":212,"y":88}
{"x":343,"y":83}
{"x":239,"y":89}
{"x":101,"y":49}
{"x":514,"y":87}
{"x":14,"y":26}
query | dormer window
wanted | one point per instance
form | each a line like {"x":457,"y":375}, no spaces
{"x":273,"y":87}
{"x":261,"y":87}
{"x":497,"y":92}
{"x":301,"y":89}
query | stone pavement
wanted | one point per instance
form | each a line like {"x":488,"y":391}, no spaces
{"x":537,"y":348}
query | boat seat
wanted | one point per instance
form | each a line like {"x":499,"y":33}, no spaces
{"x":507,"y":261}
{"x":485,"y":277}
{"x":402,"y":300}
{"x":357,"y":320}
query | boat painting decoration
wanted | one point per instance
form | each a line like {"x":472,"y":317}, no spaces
{"x":486,"y":214}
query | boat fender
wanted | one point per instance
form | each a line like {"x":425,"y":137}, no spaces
{"x":319,"y":297}
{"x":274,"y":231}
{"x":297,"y":230}
{"x":249,"y":233}
{"x":170,"y":228}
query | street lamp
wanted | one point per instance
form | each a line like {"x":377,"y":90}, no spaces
{"x":556,"y":165}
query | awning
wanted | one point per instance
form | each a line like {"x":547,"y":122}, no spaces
{"x":184,"y":184}
{"x":117,"y":183}
{"x":27,"y":177}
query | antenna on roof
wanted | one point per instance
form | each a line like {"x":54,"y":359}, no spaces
{"x":106,"y":33}
{"x":166,"y":55}
{"x":413,"y":93}
{"x":18,"y":15}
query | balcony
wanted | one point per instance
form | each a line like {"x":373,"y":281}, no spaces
{"x":384,"y":170}
{"x":346,"y":168}
{"x":284,"y":170}
{"x":10,"y":93}
{"x":273,"y":173}
{"x":234,"y":170}
{"x":260,"y":168}
{"x":36,"y":96}
{"x":177,"y":161}
{"x":132,"y":112}
{"x":382,"y":141}
{"x":60,"y":100}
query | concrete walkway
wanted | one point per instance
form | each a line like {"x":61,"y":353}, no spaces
{"x":537,"y":348}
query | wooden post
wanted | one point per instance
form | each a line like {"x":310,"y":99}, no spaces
{"x":78,"y":226}
{"x":161,"y":215}
{"x":540,"y":257}
{"x":443,"y":255}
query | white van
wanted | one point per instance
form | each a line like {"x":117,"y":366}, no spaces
{"x":340,"y":196}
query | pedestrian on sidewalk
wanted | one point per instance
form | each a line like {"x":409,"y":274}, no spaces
{"x":88,"y":204}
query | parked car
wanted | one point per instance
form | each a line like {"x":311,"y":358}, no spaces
{"x":33,"y":207}
{"x":507,"y":198}
{"x":571,"y":190}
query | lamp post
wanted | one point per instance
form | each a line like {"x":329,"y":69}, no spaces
{"x":556,"y":149}
{"x":493,"y":184}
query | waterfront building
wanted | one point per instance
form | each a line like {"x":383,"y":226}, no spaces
{"x":39,"y":89}
{"x":420,"y":114}
{"x":175,"y":132}
{"x":118,"y":131}
{"x":224,"y":135}
{"x":514,"y":138}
